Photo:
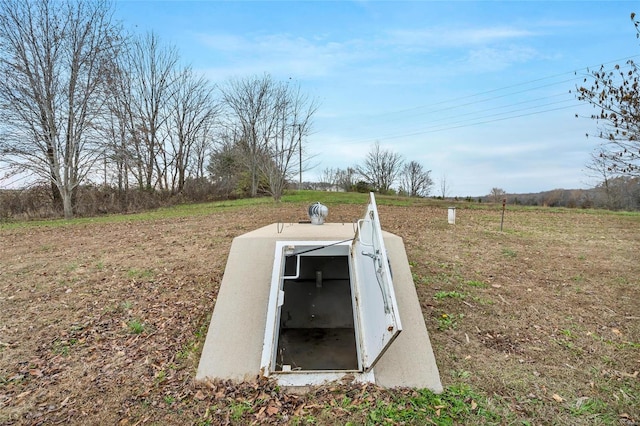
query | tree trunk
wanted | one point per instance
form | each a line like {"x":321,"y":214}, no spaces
{"x":67,"y":204}
{"x":56,"y":197}
{"x":254,"y":183}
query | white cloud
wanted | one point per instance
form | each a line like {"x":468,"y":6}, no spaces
{"x":448,"y":37}
{"x":495,"y":59}
{"x":283,"y":54}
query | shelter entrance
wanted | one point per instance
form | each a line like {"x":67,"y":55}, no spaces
{"x":317,"y":324}
{"x":332,"y":308}
{"x":304,"y":304}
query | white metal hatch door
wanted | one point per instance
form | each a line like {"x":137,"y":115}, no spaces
{"x":375,"y":298}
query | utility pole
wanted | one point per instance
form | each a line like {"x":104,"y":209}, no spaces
{"x":300,"y":151}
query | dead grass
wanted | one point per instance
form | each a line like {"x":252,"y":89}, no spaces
{"x":102,"y":323}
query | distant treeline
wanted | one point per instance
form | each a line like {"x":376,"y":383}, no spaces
{"x":622,"y":193}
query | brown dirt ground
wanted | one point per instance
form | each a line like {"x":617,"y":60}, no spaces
{"x":539,"y":318}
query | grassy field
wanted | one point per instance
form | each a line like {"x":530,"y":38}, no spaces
{"x":102,"y":319}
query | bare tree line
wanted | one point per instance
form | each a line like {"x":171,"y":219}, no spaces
{"x":84,"y":102}
{"x":384,"y":171}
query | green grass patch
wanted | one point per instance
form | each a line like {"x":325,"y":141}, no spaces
{"x":193,"y":346}
{"x":482,"y":300}
{"x":507,"y":252}
{"x":420,"y":279}
{"x":446,"y":321}
{"x":239,"y":408}
{"x":458,"y":404}
{"x":136,"y":326}
{"x":449,"y":294}
{"x":585,"y":406}
{"x":62,"y":347}
{"x":140,"y":274}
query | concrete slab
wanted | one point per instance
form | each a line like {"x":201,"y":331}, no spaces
{"x":233,"y":346}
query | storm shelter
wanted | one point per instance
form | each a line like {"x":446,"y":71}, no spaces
{"x":306,"y":304}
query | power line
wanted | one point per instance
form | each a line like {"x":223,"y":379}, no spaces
{"x":509,"y":113}
{"x":472,"y":121}
{"x":499,"y":89}
{"x":423,"y":132}
{"x":544,"y":98}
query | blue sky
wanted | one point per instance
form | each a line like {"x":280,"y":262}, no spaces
{"x":477,"y":92}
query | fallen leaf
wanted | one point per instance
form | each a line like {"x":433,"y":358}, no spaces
{"x":63,"y":403}
{"x":438,"y":408}
{"x":23,"y":394}
{"x":557,"y":397}
{"x":271,"y":410}
{"x":616,"y":332}
{"x":199,"y":395}
{"x":260,"y":414}
{"x":473,"y":405}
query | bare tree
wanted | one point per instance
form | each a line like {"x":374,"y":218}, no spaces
{"x":329,"y":176}
{"x":615,"y":96}
{"x":497,"y":194}
{"x":152,"y":72}
{"x":192,"y":119}
{"x":381,"y":168}
{"x":248,"y":104}
{"x":201,"y":150}
{"x":445,"y":186}
{"x":53,"y":57}
{"x":119,"y":153}
{"x":599,"y":169}
{"x":166,"y":116}
{"x":294,"y":112}
{"x":346,"y":178}
{"x":273,"y":120}
{"x":415,"y":180}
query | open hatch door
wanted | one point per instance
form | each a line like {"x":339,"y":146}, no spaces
{"x":378,"y":315}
